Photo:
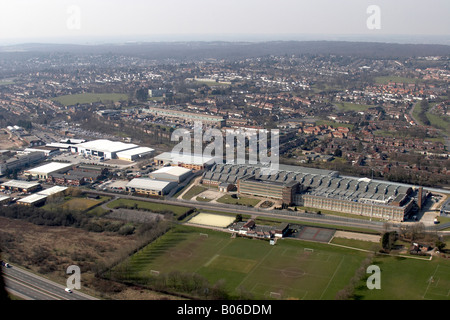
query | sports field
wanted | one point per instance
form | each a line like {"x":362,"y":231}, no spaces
{"x":409,"y":279}
{"x":290,"y":269}
{"x":82,"y":98}
{"x":348,"y":106}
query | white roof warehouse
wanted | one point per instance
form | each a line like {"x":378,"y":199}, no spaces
{"x":150,"y":187}
{"x":135,"y":153}
{"x":42,"y":172}
{"x":41,"y":196}
{"x":177,"y":174}
{"x":111,"y":149}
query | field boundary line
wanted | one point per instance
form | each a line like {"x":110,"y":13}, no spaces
{"x":334,"y":274}
{"x":211,"y":260}
{"x":255,"y":267}
{"x":217,"y":254}
{"x":429,"y":282}
{"x":387,"y":254}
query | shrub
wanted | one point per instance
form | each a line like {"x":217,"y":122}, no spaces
{"x":126,"y":230}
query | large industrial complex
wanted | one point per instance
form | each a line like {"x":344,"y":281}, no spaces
{"x":185,"y":117}
{"x":319,"y":189}
{"x":288,"y":186}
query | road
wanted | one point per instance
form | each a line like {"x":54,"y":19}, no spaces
{"x":285,"y":214}
{"x":29,"y":286}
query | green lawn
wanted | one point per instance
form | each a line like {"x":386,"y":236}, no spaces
{"x":334,"y":124}
{"x":244,"y":264}
{"x":202,"y":199}
{"x":195,"y":190}
{"x":144,"y":205}
{"x":364,"y":245}
{"x":240,"y":200}
{"x":72,"y":99}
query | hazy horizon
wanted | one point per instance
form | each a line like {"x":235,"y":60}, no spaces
{"x":96,"y":21}
{"x":394,"y":39}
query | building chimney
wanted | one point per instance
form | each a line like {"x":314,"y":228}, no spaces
{"x":420,"y":200}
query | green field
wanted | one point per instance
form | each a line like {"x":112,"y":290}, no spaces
{"x":286,"y":269}
{"x":242,"y":264}
{"x":73,"y":99}
{"x":348,"y":106}
{"x":195,"y":190}
{"x":145,"y":205}
{"x":241,"y":200}
{"x":409,"y":279}
{"x":5,"y":82}
{"x":334,"y":124}
{"x":387,"y":79}
{"x":75,"y":204}
{"x":437,"y":121}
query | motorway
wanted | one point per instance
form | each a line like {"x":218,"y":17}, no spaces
{"x":28,"y":286}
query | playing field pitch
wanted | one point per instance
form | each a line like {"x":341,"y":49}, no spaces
{"x":291,"y":269}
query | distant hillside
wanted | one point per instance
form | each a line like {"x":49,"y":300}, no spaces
{"x":238,"y":50}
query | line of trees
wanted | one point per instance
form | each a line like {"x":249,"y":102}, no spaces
{"x":348,"y":292}
{"x":179,"y":283}
{"x":424,"y":106}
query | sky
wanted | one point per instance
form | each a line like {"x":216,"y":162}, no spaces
{"x":74,"y":21}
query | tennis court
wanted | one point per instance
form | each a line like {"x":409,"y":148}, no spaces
{"x":314,"y":234}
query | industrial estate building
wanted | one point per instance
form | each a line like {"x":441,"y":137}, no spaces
{"x":11,"y":160}
{"x":172,"y":173}
{"x":186,"y":117}
{"x":111,"y":150}
{"x":41,"y":196}
{"x":151,"y":187}
{"x":44,"y":171}
{"x":319,"y":189}
{"x":135,"y":153}
{"x":33,"y":200}
{"x":193,"y":162}
{"x":20,"y":186}
{"x":4,"y":200}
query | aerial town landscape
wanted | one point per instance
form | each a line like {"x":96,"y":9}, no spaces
{"x":90,"y":181}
